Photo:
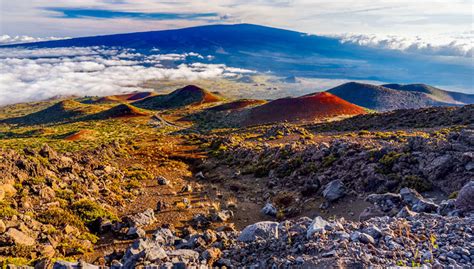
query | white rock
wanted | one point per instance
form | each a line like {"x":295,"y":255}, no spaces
{"x":263,"y":229}
{"x":318,"y":225}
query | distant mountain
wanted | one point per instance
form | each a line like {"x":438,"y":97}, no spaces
{"x":302,"y":109}
{"x":382,"y":98}
{"x":189,"y":95}
{"x":285,"y":52}
{"x":435,"y":93}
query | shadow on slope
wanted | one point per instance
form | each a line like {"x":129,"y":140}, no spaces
{"x":64,"y":111}
{"x":189,"y":95}
{"x":405,"y":118}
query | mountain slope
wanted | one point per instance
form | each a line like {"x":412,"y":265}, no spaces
{"x":301,"y":109}
{"x":382,"y":98}
{"x":120,"y":111}
{"x":286,"y":53}
{"x":435,"y":93}
{"x":189,"y":95}
{"x":66,"y":110}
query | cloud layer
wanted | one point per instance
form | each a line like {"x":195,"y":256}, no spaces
{"x":462,"y":46}
{"x":30,"y":75}
{"x":7,"y":39}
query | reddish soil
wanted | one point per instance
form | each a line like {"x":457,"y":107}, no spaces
{"x":302,"y":109}
{"x":206,"y":96}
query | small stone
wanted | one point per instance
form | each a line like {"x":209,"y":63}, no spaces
{"x":187,"y":188}
{"x":366,"y":239}
{"x":263,"y":229}
{"x":199,"y":175}
{"x":3,"y":227}
{"x":406,"y":213}
{"x":329,"y":254}
{"x":269,"y":210}
{"x":162,"y":180}
{"x":19,"y":238}
{"x":211,"y":255}
{"x":318,"y":225}
{"x":334,"y":190}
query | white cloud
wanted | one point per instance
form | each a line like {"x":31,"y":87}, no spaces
{"x":463,"y":47}
{"x":7,"y":39}
{"x":30,"y":75}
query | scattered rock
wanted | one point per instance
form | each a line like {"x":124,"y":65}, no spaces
{"x":199,"y":175}
{"x":162,"y":180}
{"x":269,"y":210}
{"x":211,"y":255}
{"x":263,"y":229}
{"x":318,"y":225}
{"x":417,"y":202}
{"x":334,"y":190}
{"x":18,"y":237}
{"x":464,"y":201}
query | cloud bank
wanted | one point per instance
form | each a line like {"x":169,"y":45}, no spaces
{"x":31,"y":75}
{"x":462,"y":46}
{"x":19,"y":39}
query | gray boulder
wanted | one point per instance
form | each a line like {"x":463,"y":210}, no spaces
{"x":142,"y":219}
{"x":417,"y":203}
{"x":334,"y":190}
{"x":263,"y":229}
{"x":385,"y":202}
{"x":73,"y":265}
{"x":464,"y":201}
{"x":318,"y":225}
{"x":186,"y":255}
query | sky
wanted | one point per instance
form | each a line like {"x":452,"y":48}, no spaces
{"x":433,"y":20}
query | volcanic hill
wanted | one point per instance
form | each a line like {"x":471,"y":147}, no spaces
{"x":301,"y":109}
{"x":66,"y":110}
{"x":120,"y":111}
{"x":382,"y":98}
{"x":435,"y":93}
{"x":189,"y":95}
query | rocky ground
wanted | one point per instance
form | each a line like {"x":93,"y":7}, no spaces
{"x":277,"y":196}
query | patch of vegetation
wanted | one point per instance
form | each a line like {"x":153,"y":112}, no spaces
{"x":329,"y":160}
{"x":88,"y":211}
{"x":387,"y":162}
{"x":59,"y":217}
{"x":6,"y":211}
{"x":453,"y":195}
{"x":417,"y":183}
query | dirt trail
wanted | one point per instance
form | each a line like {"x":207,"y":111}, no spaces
{"x":168,"y":157}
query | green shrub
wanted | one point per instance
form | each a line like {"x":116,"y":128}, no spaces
{"x":329,"y":160}
{"x":417,"y":183}
{"x":59,"y":217}
{"x":6,"y":211}
{"x":453,"y":195}
{"x":88,"y":211}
